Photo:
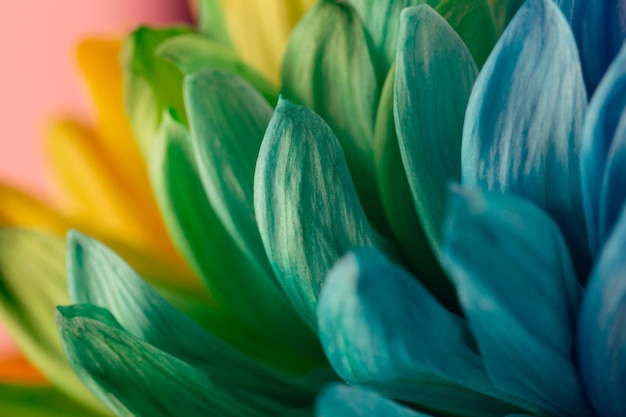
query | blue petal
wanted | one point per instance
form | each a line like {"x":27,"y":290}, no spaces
{"x":601,"y":330}
{"x":343,"y":401}
{"x":602,"y":155}
{"x":380,"y":328}
{"x":600,"y":29}
{"x":524,"y":117}
{"x":518,"y":289}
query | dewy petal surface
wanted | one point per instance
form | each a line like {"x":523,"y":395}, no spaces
{"x":601,"y":338}
{"x":523,"y":123}
{"x":519,"y":291}
{"x":306,"y":206}
{"x":134,"y":378}
{"x":434,"y":76}
{"x":381,"y":328}
{"x":343,"y":401}
{"x":602,"y":155}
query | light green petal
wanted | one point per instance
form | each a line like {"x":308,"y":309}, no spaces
{"x":36,"y":401}
{"x":307,"y":209}
{"x":32,"y":284}
{"x":473,"y":21}
{"x":193,"y":53}
{"x":329,"y":68}
{"x":151,"y":84}
{"x":398,"y":201}
{"x":434,"y":76}
{"x":211,"y":21}
{"x":134,"y":378}
{"x":280,"y":338}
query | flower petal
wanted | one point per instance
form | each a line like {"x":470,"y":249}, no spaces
{"x":329,"y":68}
{"x":132,"y":377}
{"x":503,"y":11}
{"x":34,"y":401}
{"x":343,"y":401}
{"x":247,"y":291}
{"x":98,"y":277}
{"x":602,"y":155}
{"x":306,"y":206}
{"x":211,"y":20}
{"x":193,"y":53}
{"x":524,"y":119}
{"x":519,"y":291}
{"x":20,"y":209}
{"x":380,"y":328}
{"x":151,"y":83}
{"x":32,"y":278}
{"x":434,"y":75}
{"x":601,"y":340}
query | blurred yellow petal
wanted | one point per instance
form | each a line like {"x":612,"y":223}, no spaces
{"x":259,"y":29}
{"x":17,"y":370}
{"x":18,"y":208}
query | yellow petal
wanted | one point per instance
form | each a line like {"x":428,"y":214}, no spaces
{"x":259,"y":30}
{"x":18,"y":208}
{"x":17,"y":370}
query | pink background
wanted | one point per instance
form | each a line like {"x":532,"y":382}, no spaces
{"x":37,"y":74}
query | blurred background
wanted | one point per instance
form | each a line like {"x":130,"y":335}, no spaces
{"x":38,"y":77}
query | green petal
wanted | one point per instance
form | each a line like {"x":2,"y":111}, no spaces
{"x":36,"y":401}
{"x":134,"y":378}
{"x":101,"y":278}
{"x":152,"y":84}
{"x":193,"y":53}
{"x":503,"y":12}
{"x":473,"y":21}
{"x":329,"y":68}
{"x":381,"y":19}
{"x":307,"y":209}
{"x":211,"y":21}
{"x":32,"y":284}
{"x":434,"y":77}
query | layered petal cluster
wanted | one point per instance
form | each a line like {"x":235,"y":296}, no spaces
{"x":533,"y":242}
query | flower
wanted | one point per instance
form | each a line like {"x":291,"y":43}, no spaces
{"x":259,"y":201}
{"x":541,"y":202}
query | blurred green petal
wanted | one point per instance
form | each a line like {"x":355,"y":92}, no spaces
{"x":328,"y":67}
{"x":434,"y":76}
{"x":398,"y":201}
{"x":35,"y":401}
{"x":134,"y":378}
{"x":308,"y":212}
{"x":152,"y":84}
{"x":211,"y":21}
{"x":32,"y":284}
{"x":193,"y":53}
{"x":503,"y":12}
{"x":473,"y":21}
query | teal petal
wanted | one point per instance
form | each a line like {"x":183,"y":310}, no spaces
{"x":193,"y":53}
{"x":100,"y":278}
{"x":329,"y":68}
{"x":473,"y":21}
{"x":343,"y":401}
{"x":601,"y":343}
{"x":251,"y":299}
{"x":211,"y":21}
{"x":398,"y":202}
{"x":135,"y":378}
{"x":434,"y":75}
{"x":602,"y":155}
{"x":381,"y":19}
{"x":519,"y":291}
{"x":36,"y":401}
{"x":524,"y":120}
{"x":151,"y":84}
{"x":380,"y":328}
{"x":32,"y":284}
{"x":306,"y":206}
